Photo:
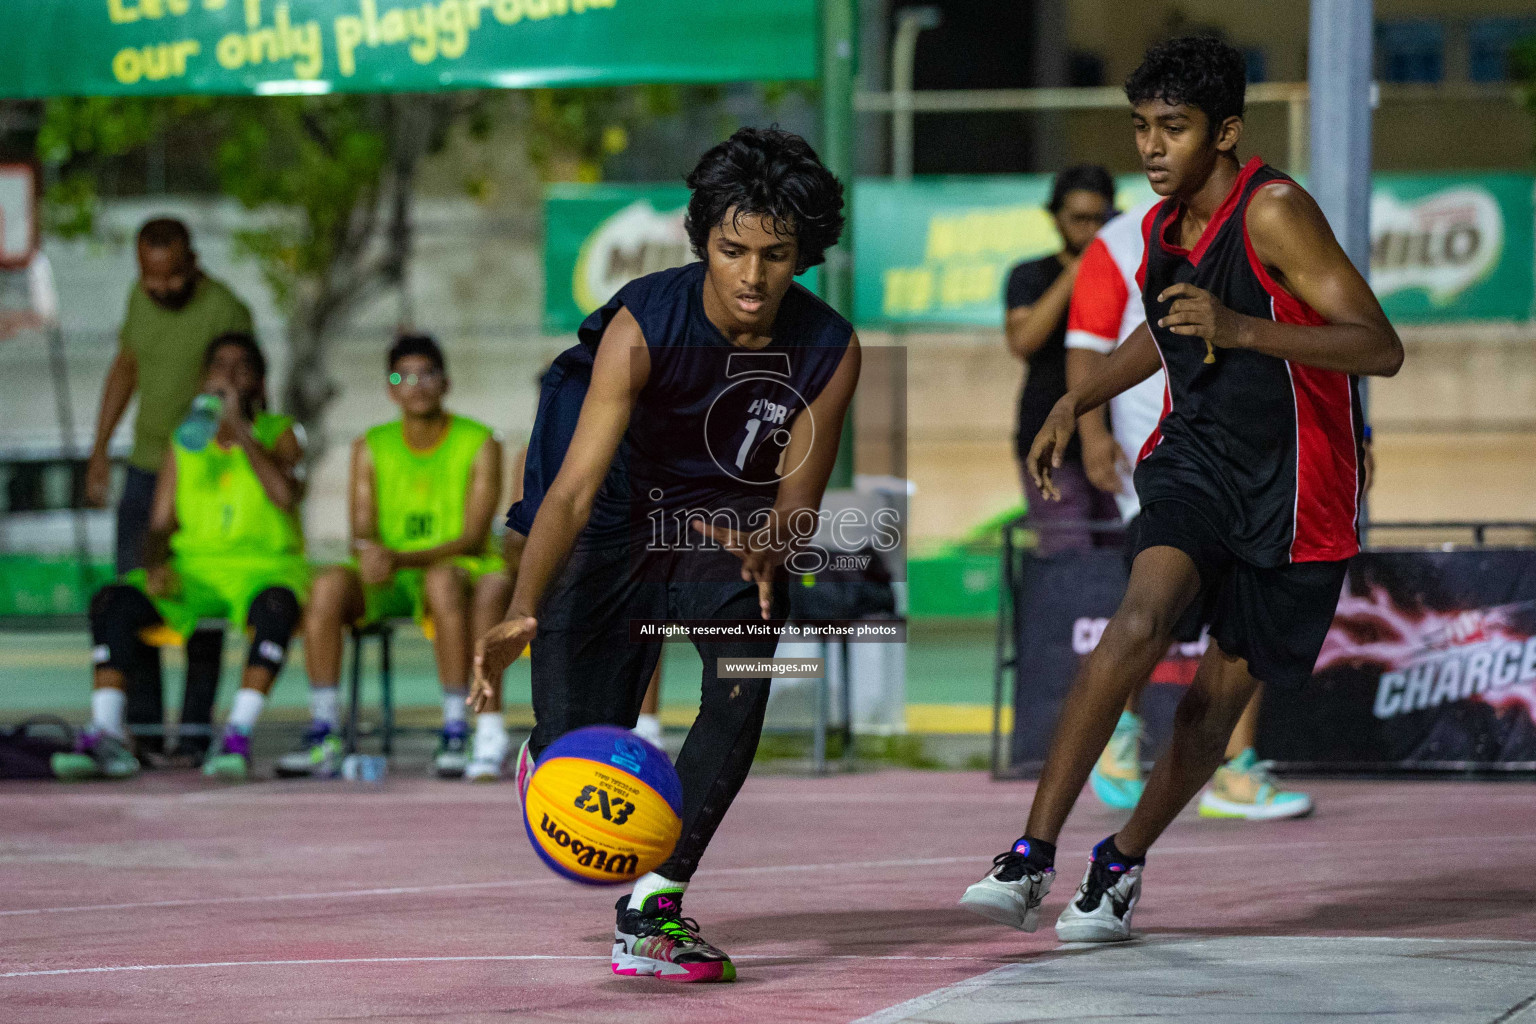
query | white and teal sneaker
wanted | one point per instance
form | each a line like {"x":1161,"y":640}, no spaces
{"x":318,"y":755}
{"x":1245,"y":788}
{"x":1116,"y":777}
{"x":97,"y":755}
{"x":488,"y":752}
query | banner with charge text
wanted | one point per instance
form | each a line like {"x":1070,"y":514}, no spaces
{"x":1430,"y":663}
{"x":280,"y":47}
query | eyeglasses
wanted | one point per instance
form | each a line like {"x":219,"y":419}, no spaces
{"x":413,"y":379}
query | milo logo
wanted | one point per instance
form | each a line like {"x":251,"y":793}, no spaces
{"x":636,"y":241}
{"x":1443,"y":243}
{"x":622,"y":864}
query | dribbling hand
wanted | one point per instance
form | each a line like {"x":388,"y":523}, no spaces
{"x":495,"y":652}
{"x":756,"y":563}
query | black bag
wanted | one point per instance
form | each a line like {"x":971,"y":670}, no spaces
{"x":25,"y":754}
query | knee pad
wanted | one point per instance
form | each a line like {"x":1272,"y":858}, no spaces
{"x":119,"y":613}
{"x":272,"y":617}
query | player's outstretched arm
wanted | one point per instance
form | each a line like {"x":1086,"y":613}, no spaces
{"x":1292,"y":239}
{"x":1132,"y":362}
{"x":619,"y":372}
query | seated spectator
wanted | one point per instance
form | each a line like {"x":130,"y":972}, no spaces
{"x":224,"y":542}
{"x":422,"y":493}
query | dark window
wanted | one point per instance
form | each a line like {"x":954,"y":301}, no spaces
{"x":1258,"y":64}
{"x":1410,"y":51}
{"x":1489,"y":42}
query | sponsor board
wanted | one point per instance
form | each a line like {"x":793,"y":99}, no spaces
{"x":937,"y":252}
{"x":1430,"y":663}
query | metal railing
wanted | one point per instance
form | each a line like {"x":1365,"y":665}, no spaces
{"x":1293,"y":95}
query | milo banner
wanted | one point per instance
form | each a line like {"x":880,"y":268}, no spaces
{"x":598,"y":238}
{"x":936,"y":252}
{"x":272,"y":47}
{"x":1430,"y":664}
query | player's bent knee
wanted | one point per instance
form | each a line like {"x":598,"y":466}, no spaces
{"x":1134,"y":627}
{"x":118,"y":613}
{"x":446,"y":587}
{"x":273,"y":616}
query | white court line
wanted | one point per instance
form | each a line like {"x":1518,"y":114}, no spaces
{"x":1171,"y":851}
{"x":118,"y":968}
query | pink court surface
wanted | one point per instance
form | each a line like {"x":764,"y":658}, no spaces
{"x":164,"y":899}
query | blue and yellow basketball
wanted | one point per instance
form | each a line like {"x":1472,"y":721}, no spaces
{"x":603,"y":806}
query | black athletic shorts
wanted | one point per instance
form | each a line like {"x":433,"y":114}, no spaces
{"x":588,"y":669}
{"x":1274,"y":618}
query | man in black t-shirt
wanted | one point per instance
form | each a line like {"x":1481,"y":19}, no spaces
{"x":1082,"y":199}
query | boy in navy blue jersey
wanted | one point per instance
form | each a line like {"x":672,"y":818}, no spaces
{"x":1249,"y":488}
{"x":709,"y":423}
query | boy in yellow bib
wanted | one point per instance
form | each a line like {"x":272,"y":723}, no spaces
{"x":423,"y":490}
{"x":224,"y":542}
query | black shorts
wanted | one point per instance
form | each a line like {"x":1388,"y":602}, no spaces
{"x":1274,"y":618}
{"x":587,"y":667}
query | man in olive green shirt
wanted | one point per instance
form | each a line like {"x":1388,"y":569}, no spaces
{"x":174,"y":311}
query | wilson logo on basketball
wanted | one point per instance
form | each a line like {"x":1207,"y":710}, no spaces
{"x":588,"y":856}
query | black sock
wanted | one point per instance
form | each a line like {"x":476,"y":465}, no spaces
{"x":1038,"y":854}
{"x":1108,"y":851}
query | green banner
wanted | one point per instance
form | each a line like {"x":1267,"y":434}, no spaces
{"x":598,"y":238}
{"x":1448,"y":247}
{"x":935,"y":252}
{"x":275,"y":47}
{"x":1445,"y":247}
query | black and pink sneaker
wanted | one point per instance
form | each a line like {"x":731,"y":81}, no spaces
{"x":657,"y":941}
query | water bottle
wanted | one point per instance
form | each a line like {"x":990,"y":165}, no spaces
{"x":201,"y":424}
{"x":364,"y":768}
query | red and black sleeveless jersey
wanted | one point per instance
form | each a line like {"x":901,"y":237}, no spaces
{"x":1266,"y":449}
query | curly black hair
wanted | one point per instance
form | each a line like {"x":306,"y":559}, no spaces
{"x":1081,"y":178}
{"x":773,"y":174}
{"x":1200,"y":71}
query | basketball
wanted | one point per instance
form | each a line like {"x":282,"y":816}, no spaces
{"x":603,"y":806}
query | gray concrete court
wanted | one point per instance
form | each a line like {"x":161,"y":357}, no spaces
{"x":1252,"y":979}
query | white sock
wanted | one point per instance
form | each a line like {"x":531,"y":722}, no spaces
{"x":490,"y":724}
{"x":325,"y":705}
{"x":107,"y":710}
{"x":650,"y":883}
{"x":246,"y":709}
{"x":454,"y":708}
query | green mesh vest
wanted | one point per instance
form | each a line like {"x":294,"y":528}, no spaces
{"x":422,"y":495}
{"x":221,"y":509}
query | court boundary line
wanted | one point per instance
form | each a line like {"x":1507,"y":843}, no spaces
{"x":121,"y":968}
{"x":925,"y":1001}
{"x":410,"y":890}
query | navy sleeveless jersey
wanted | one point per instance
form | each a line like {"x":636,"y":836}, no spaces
{"x":1266,"y":449}
{"x":709,"y":427}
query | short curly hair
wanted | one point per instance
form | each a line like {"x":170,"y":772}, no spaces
{"x":768,"y":173}
{"x":1199,"y":71}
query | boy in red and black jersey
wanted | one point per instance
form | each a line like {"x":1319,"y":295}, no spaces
{"x":1249,"y":488}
